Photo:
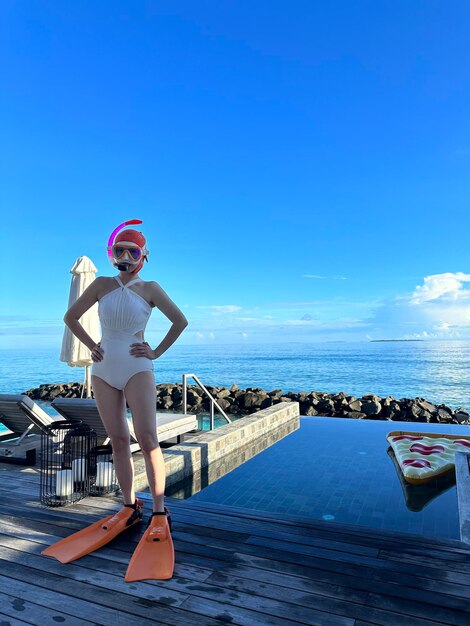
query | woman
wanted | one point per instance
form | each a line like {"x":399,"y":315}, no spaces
{"x":123,"y":362}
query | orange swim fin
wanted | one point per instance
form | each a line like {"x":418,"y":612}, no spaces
{"x":94,"y":536}
{"x":154,"y":557}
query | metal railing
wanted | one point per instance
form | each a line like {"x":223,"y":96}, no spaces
{"x":212,"y":400}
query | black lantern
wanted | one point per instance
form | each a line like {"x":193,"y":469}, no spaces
{"x":65,"y":462}
{"x":103,"y":477}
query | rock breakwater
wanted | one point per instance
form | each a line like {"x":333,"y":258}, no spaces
{"x":246,"y":401}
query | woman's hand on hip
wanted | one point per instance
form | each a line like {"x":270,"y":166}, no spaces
{"x":142,"y":349}
{"x":97,"y":352}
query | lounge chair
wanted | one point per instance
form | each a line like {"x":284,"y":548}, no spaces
{"x":25,"y":420}
{"x":169,"y":425}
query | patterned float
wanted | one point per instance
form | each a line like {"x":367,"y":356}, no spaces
{"x":422,"y":456}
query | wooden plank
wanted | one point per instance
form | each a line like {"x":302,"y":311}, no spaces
{"x":57,"y":599}
{"x":342,"y":586}
{"x":427,"y":559}
{"x":6,"y":620}
{"x":233,"y":564}
{"x":31,"y":613}
{"x":37,"y":541}
{"x":351,"y":607}
{"x":430,"y":613}
{"x":103,"y":605}
{"x":165,"y":591}
{"x":378,"y":562}
{"x":352,"y":604}
{"x":295,"y":553}
{"x":361,"y":578}
{"x":239,"y":615}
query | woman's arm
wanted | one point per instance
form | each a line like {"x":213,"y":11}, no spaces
{"x":179,"y":322}
{"x":79,"y":307}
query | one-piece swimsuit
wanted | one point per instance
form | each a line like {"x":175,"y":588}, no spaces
{"x":123,"y":316}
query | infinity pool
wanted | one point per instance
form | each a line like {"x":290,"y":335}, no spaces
{"x":340,"y":470}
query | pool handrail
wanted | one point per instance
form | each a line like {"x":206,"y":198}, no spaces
{"x":213,"y":401}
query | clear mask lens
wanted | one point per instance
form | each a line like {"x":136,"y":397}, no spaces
{"x":119,"y":252}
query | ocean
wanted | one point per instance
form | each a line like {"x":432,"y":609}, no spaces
{"x":437,"y":371}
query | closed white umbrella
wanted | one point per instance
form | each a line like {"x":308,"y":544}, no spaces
{"x":73,"y":351}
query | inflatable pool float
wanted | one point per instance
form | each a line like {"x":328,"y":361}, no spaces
{"x":423,"y":456}
{"x":417,"y":497}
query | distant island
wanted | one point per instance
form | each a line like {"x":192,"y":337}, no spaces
{"x":377,"y":340}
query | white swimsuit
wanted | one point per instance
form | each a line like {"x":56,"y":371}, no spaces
{"x":123,"y":315}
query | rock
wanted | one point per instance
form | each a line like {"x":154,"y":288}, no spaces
{"x":167,"y":402}
{"x":223,"y":403}
{"x":325,"y":406}
{"x":268,"y":401}
{"x":393,"y":409}
{"x":356,"y":415}
{"x":340,"y":403}
{"x":310,"y":411}
{"x":223,"y":393}
{"x":371,"y":406}
{"x":355,"y":406}
{"x":462,"y":417}
{"x":249,"y":400}
{"x":194,"y":398}
{"x":420,"y":415}
{"x":443,"y":416}
{"x":306,"y":408}
{"x":372,"y":397}
{"x":426,"y":406}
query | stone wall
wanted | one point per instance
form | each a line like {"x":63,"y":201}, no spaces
{"x":244,"y":437}
{"x":252,"y":399}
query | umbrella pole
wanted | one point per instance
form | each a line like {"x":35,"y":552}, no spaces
{"x":88,"y":381}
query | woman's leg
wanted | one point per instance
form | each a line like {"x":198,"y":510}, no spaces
{"x":141,"y":396}
{"x":112,"y":409}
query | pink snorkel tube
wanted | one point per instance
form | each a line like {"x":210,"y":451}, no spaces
{"x":115,"y":232}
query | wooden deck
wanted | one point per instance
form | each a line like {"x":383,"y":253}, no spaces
{"x":232,"y":566}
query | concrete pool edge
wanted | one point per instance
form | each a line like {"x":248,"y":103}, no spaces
{"x":205,"y":447}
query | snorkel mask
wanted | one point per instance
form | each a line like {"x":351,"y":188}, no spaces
{"x":127,"y":249}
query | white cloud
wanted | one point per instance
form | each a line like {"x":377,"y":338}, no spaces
{"x":209,"y":335}
{"x":222,"y":308}
{"x":324,"y":277}
{"x":314,"y":302}
{"x":442,"y":286}
{"x":437,"y":309}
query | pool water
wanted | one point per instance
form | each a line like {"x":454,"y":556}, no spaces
{"x":339,"y":470}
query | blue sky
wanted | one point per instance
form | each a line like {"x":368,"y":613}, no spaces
{"x":301,"y":168}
